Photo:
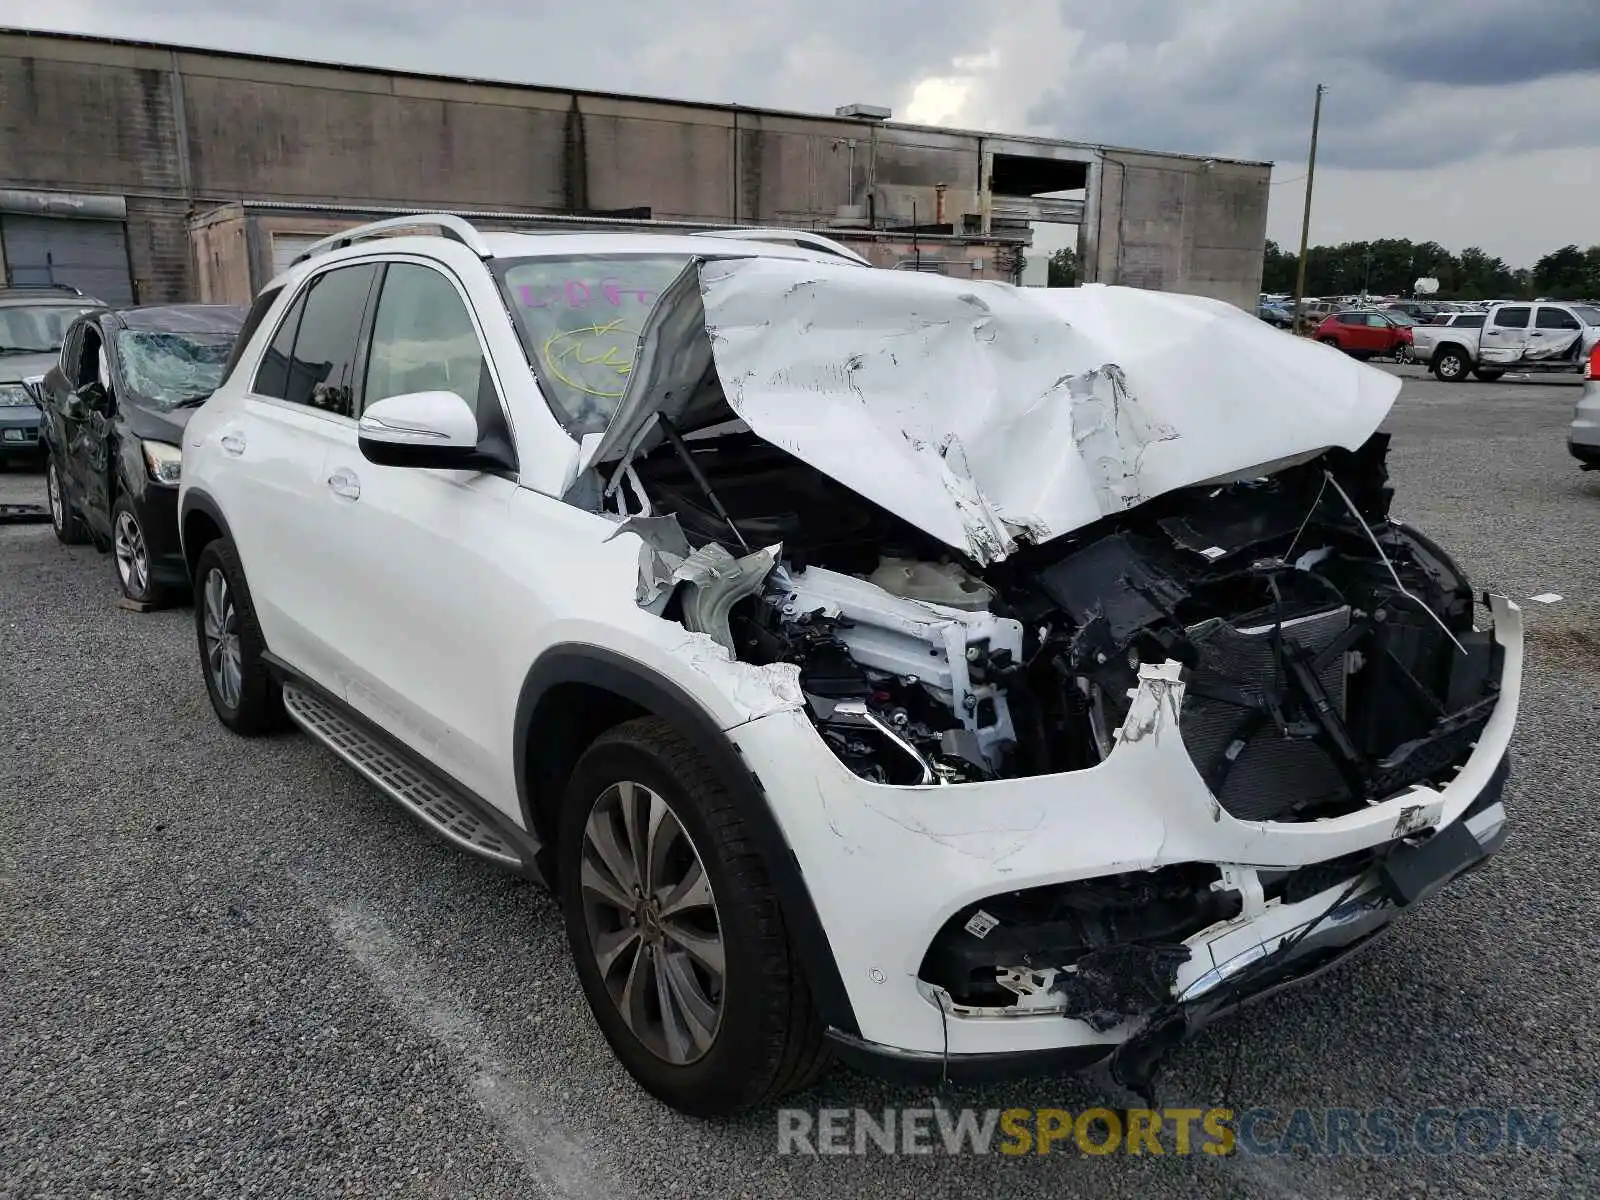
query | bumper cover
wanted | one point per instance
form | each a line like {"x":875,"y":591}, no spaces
{"x":1348,"y":923}
{"x":887,"y":866}
{"x":19,"y":429}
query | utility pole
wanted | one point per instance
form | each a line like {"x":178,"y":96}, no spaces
{"x":1305,"y":223}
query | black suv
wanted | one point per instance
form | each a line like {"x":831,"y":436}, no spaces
{"x":114,"y":410}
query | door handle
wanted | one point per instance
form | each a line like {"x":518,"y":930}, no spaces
{"x":233,"y":443}
{"x":344,"y":484}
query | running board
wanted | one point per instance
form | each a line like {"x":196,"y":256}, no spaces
{"x":436,"y":806}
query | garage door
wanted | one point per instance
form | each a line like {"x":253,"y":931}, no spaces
{"x":91,"y":256}
{"x":286,"y":247}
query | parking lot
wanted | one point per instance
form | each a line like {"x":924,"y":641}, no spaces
{"x":231,"y":967}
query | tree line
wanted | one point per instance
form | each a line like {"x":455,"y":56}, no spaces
{"x":1390,"y":266}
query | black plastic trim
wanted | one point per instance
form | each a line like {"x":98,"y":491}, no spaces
{"x":622,"y":676}
{"x":527,"y":847}
{"x":920,"y":1067}
{"x":194,"y":500}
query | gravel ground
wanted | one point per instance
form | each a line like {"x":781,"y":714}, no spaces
{"x":230,"y":968}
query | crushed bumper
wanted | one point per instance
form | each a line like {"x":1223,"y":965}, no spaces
{"x":887,"y":867}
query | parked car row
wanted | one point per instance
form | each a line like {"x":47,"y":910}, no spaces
{"x":109,"y":417}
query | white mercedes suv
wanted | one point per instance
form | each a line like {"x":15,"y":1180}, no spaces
{"x":956,"y":679}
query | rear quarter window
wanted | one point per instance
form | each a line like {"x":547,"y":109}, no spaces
{"x":252,"y":322}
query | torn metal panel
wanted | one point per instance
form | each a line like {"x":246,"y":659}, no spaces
{"x":762,"y":690}
{"x":716,"y":581}
{"x":662,"y":551}
{"x":983,"y":413}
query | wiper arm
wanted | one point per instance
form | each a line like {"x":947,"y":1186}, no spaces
{"x":193,"y":401}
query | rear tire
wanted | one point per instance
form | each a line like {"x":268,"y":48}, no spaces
{"x":243,"y":693}
{"x":630,"y":929}
{"x":64,"y":518}
{"x":1451,"y":366}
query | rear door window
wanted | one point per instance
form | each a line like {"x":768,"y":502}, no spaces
{"x":1511,"y":318}
{"x":1556,"y":318}
{"x":312,"y":357}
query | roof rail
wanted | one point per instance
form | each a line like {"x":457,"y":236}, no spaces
{"x":42,"y":287}
{"x":453,"y":227}
{"x":800,"y":237}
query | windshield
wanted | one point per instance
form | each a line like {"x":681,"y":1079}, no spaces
{"x":1587,"y":313}
{"x":580,"y":320}
{"x":166,"y":368}
{"x":38,"y":329}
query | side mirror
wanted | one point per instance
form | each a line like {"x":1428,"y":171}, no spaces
{"x":421,"y":429}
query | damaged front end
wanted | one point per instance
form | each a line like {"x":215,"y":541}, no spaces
{"x":1328,"y":653}
{"x":1135,"y":729}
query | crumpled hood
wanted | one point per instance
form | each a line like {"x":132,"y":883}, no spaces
{"x":14,"y":368}
{"x":981,"y":412}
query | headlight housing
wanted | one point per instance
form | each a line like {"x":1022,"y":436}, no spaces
{"x":14,"y":395}
{"x":164,"y":461}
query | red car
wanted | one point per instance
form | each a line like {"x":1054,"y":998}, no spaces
{"x":1363,"y":333}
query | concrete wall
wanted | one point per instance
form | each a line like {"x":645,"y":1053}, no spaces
{"x":179,"y":132}
{"x":1180,"y":225}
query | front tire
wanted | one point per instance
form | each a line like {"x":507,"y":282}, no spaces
{"x":243,"y":693}
{"x":64,"y":518}
{"x":131,"y":556}
{"x":675,"y":929}
{"x":1451,"y":366}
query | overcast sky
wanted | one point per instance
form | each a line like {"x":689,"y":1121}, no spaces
{"x":1470,"y":122}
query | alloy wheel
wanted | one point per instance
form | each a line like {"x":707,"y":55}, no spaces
{"x":52,"y":487}
{"x":133,"y":558}
{"x":222,"y":639}
{"x":652,"y":923}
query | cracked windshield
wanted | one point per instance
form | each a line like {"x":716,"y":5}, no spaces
{"x":169,"y":368}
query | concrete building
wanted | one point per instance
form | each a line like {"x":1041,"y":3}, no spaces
{"x":157,"y":173}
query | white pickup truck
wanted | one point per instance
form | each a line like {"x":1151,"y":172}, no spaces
{"x":1542,"y":337}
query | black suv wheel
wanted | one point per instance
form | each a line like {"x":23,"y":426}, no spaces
{"x":64,"y":518}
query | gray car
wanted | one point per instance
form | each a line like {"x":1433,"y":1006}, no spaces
{"x":1583,"y":439}
{"x":33,"y":321}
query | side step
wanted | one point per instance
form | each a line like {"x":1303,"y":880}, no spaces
{"x":434,"y":805}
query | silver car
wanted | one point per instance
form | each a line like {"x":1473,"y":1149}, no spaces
{"x":1584,"y":437}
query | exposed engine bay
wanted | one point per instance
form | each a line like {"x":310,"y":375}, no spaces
{"x":1330,"y":656}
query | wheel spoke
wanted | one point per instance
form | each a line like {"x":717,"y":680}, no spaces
{"x":682,"y":996}
{"x":705,"y":948}
{"x":601,"y":834}
{"x":636,"y":989}
{"x":595,"y":878}
{"x":611,"y":947}
{"x":662,"y":831}
{"x":692,"y":891}
{"x":636,"y":803}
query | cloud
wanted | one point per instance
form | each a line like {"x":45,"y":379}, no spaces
{"x":1416,"y":83}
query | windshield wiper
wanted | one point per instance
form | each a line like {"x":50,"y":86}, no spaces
{"x":29,"y":349}
{"x":193,"y":401}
